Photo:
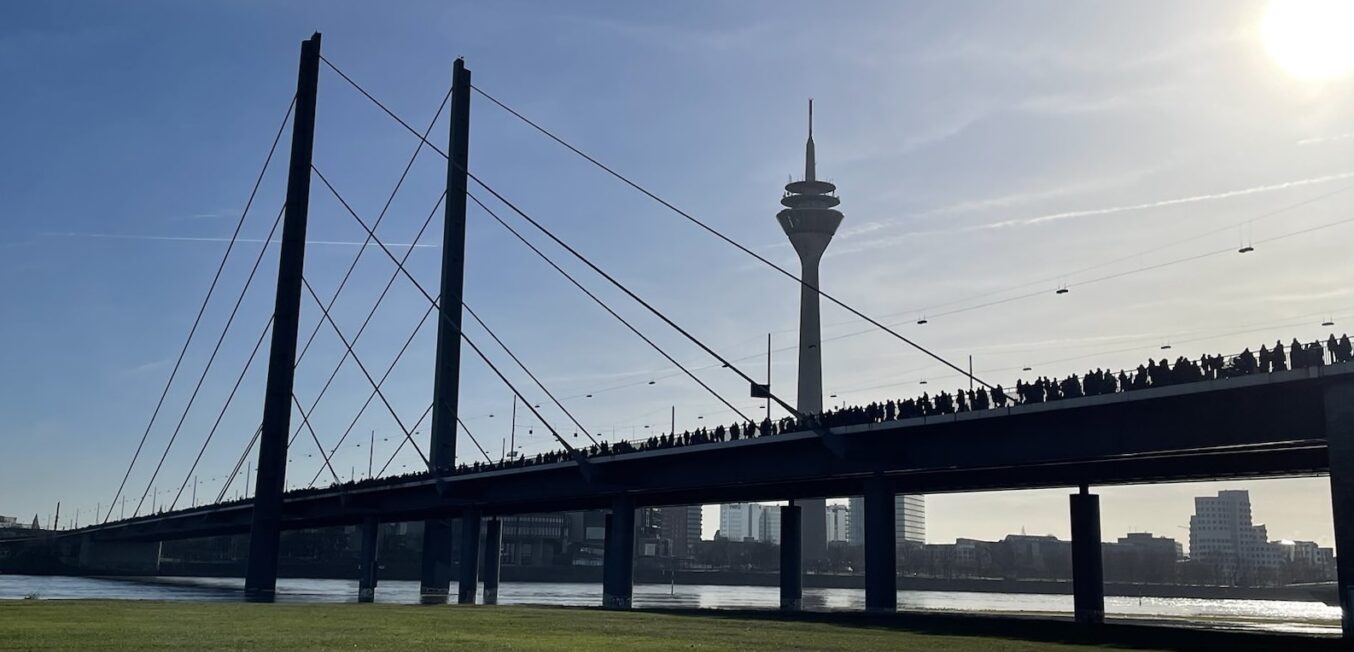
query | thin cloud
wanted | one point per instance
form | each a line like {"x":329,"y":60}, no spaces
{"x":1068,"y":215}
{"x":184,"y":238}
{"x":1326,"y":139}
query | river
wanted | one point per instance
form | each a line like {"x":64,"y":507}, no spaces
{"x":1267,"y":615}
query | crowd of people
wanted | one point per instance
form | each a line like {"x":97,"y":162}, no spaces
{"x":1152,"y":373}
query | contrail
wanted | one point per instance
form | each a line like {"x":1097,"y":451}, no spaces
{"x":184,"y":238}
{"x":1325,"y":139}
{"x":1054,"y":217}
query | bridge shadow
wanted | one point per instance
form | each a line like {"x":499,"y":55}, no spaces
{"x":1155,"y":635}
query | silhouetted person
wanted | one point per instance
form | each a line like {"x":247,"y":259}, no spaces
{"x":1245,"y":363}
{"x":1280,"y":362}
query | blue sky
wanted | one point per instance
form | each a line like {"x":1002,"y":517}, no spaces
{"x":983,"y":153}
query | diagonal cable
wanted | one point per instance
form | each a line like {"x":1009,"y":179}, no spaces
{"x":210,"y":359}
{"x":595,"y":268}
{"x":203,"y":308}
{"x":353,"y":354}
{"x":606,"y":307}
{"x":528,"y":372}
{"x":220,"y":415}
{"x":715,"y":232}
{"x":314,"y":437}
{"x":353,"y":424}
{"x":370,"y":313}
{"x":445,"y":318}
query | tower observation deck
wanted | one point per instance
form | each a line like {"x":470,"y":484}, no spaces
{"x":810,"y":219}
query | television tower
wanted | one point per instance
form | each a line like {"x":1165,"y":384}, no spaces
{"x":810,"y":219}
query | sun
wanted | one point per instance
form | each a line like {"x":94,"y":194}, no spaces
{"x":1311,"y":39}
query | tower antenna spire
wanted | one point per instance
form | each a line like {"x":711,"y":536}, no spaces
{"x":810,"y":164}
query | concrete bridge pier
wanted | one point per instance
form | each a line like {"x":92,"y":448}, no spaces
{"x":1088,"y":577}
{"x":493,"y":546}
{"x":1339,"y":408}
{"x":117,"y":557}
{"x":791,"y":559}
{"x":618,"y":555}
{"x":469,"y":571}
{"x":881,"y":546}
{"x":367,"y":564}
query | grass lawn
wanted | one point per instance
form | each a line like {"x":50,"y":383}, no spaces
{"x":134,"y":625}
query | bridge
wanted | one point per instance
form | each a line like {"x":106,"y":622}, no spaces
{"x":1238,"y":423}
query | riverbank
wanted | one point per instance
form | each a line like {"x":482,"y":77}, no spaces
{"x":143,"y":625}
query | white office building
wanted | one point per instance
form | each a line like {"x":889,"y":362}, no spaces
{"x":837,"y":519}
{"x":909,"y":519}
{"x":1221,"y":532}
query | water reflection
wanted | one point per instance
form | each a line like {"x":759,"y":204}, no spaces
{"x":1270,"y":615}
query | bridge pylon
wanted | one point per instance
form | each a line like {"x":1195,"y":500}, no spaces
{"x":435,"y":578}
{"x":271,"y":481}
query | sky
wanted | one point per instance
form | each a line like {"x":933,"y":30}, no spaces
{"x":986,"y":155}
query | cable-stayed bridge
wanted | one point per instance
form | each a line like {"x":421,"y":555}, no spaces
{"x":1236,"y":420}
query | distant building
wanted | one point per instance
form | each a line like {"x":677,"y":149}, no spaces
{"x":10,"y":527}
{"x":837,"y":518}
{"x":909,"y":519}
{"x":768,"y":528}
{"x":749,"y":522}
{"x":1222,"y":534}
{"x":534,"y":539}
{"x":682,"y":526}
{"x":1141,"y":557}
{"x":740,"y":521}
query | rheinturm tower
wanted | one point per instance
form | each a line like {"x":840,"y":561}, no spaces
{"x":810,"y":219}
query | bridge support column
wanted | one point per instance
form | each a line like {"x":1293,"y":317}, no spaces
{"x":791,"y":559}
{"x":265,"y":531}
{"x":1088,"y":579}
{"x":1339,"y":404}
{"x":470,"y":558}
{"x":881,"y":546}
{"x":367,"y":565}
{"x":493,"y":546}
{"x":618,"y":555}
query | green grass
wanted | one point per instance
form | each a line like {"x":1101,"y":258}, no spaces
{"x":106,"y":625}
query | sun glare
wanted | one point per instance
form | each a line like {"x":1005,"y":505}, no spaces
{"x":1311,"y":39}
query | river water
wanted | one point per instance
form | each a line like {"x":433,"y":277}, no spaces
{"x":1268,"y":615}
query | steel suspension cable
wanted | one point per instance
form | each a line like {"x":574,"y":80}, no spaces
{"x":389,"y":199}
{"x":348,"y":345}
{"x":342,"y":283}
{"x":212,"y":358}
{"x":444,"y":316}
{"x":588,"y":262}
{"x":715,"y":232}
{"x":528,"y":371}
{"x":416,"y":425}
{"x":220,"y":415}
{"x":258,"y":181}
{"x":370,"y":313}
{"x":605,"y":307}
{"x":353,"y":424}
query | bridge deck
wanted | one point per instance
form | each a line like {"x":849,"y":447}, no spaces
{"x":1262,"y":425}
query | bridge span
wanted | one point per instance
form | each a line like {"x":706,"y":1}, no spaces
{"x":1287,"y":423}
